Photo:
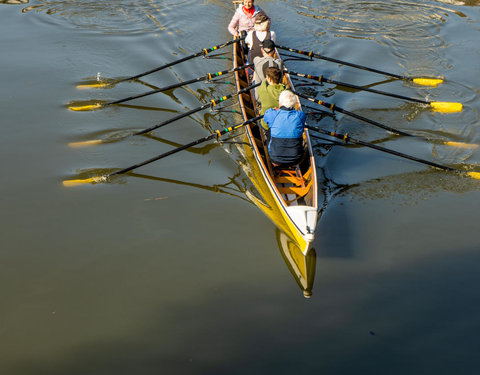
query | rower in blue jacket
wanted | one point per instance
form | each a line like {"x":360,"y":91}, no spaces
{"x":286,"y":131}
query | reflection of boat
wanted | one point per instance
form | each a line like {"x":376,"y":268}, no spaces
{"x":301,"y":266}
{"x":290,"y":194}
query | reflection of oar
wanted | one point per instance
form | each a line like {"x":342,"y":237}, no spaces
{"x":212,"y":103}
{"x":220,"y":188}
{"x":346,"y":139}
{"x":203,"y":52}
{"x":217,"y":135}
{"x":207,"y":77}
{"x":419,"y":81}
{"x":437,"y":106}
{"x":333,"y":108}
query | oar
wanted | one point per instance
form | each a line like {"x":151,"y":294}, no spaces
{"x":203,"y":52}
{"x":217,"y":135}
{"x":446,"y":107}
{"x":212,"y":103}
{"x":419,"y":81}
{"x":333,"y":108}
{"x":347,"y":139}
{"x":207,"y":77}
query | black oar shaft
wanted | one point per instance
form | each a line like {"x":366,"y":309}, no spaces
{"x":346,"y":139}
{"x":318,"y":56}
{"x":332,"y":141}
{"x":168,"y":153}
{"x":323,"y":79}
{"x":162,"y":67}
{"x":170,"y":87}
{"x":206,"y":77}
{"x":217,"y":134}
{"x":175,"y":118}
{"x":203,"y":52}
{"x":333,"y":107}
{"x":212,"y":102}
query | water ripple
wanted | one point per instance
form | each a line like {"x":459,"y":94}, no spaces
{"x":379,"y":21}
{"x":118,"y":17}
{"x":410,"y":30}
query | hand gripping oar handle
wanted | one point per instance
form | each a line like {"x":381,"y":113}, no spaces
{"x":211,"y":103}
{"x":217,"y":135}
{"x":347,"y":139}
{"x":203,"y":52}
{"x":323,"y":79}
{"x":333,"y":108}
{"x":207,"y":77}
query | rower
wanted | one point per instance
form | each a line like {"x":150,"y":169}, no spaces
{"x":261,"y":63}
{"x":244,"y":17}
{"x":269,"y":91}
{"x":260,"y":33}
{"x":286,"y":125}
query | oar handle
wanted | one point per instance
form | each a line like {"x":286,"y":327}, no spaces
{"x":206,"y":51}
{"x":346,"y":139}
{"x":333,"y":108}
{"x":217,"y":134}
{"x":324,"y":79}
{"x":210,"y":76}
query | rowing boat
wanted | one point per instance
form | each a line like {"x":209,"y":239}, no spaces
{"x":290,"y":195}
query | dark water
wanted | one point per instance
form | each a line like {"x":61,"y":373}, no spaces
{"x":172,"y":269}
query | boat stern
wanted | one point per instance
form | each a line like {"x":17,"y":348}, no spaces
{"x":305,"y":219}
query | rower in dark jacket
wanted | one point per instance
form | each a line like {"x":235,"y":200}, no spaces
{"x":286,"y":131}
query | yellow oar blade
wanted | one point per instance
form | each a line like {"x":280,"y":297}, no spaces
{"x":93,"y":85}
{"x":460,"y":144}
{"x":475,"y":175}
{"x":69,"y":183}
{"x":85,"y":143}
{"x":97,"y":83}
{"x":88,"y":107}
{"x":446,"y":107}
{"x":428,"y":81}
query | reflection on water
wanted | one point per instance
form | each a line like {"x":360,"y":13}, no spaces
{"x":123,"y":275}
{"x":301,"y":267}
{"x":231,"y":188}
